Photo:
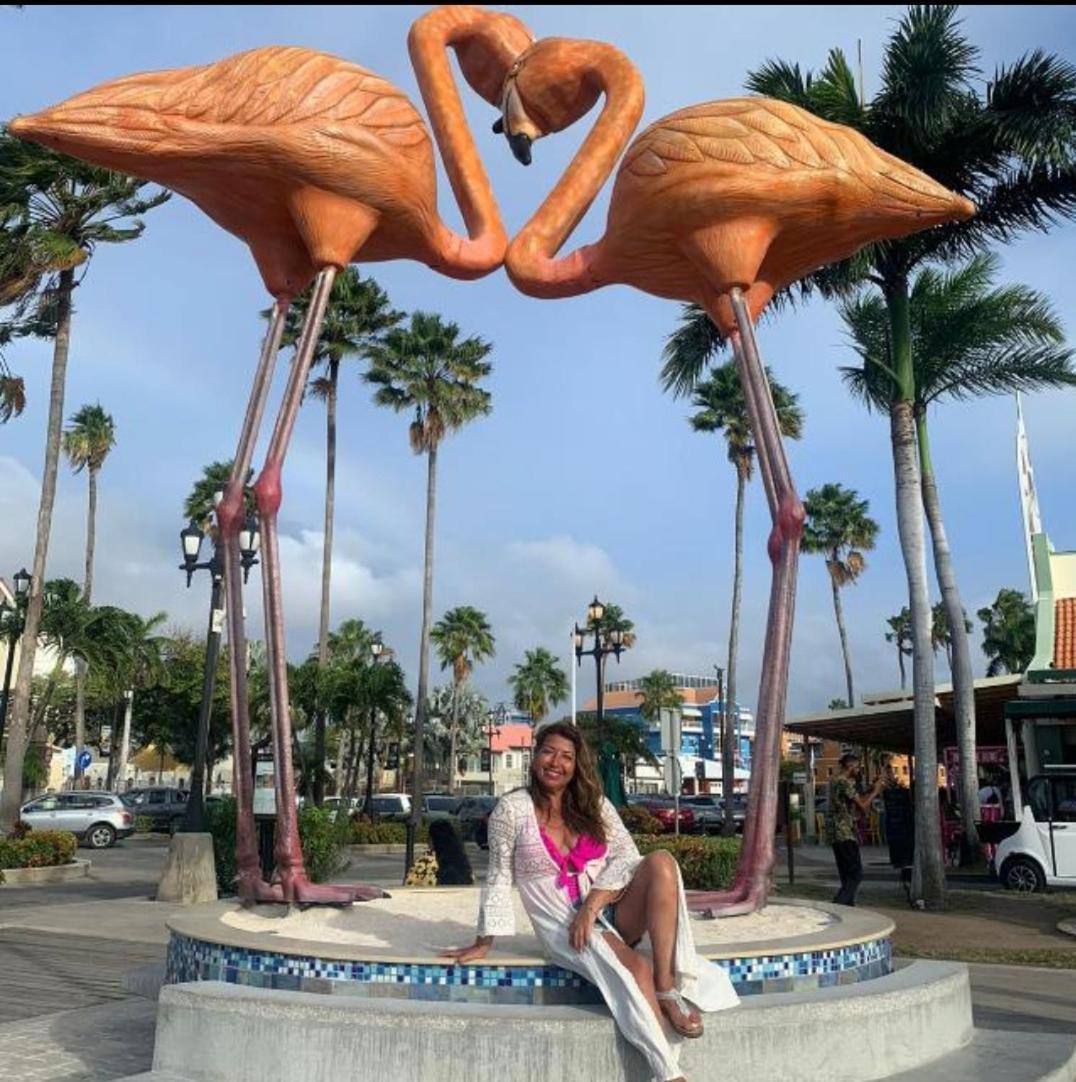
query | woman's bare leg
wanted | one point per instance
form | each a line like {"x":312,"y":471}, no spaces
{"x":651,"y":904}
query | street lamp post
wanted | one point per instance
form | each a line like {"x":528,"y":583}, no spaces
{"x":16,"y":623}
{"x":494,"y":722}
{"x":377,"y":648}
{"x":606,"y":641}
{"x":191,"y":539}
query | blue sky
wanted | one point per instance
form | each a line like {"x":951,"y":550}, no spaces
{"x":585,"y":478}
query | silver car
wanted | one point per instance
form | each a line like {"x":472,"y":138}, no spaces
{"x":98,"y":819}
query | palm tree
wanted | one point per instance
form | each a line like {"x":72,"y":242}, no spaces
{"x":358,"y":315}
{"x":86,"y":443}
{"x":900,"y":634}
{"x":1008,"y":633}
{"x":970,"y":338}
{"x":462,"y":637}
{"x":201,"y":502}
{"x":722,"y":408}
{"x":839,"y":528}
{"x":1009,"y":149}
{"x":64,"y":210}
{"x":941,"y":631}
{"x":142,"y":665}
{"x":657,"y":692}
{"x":538,"y":683}
{"x":427,"y":370}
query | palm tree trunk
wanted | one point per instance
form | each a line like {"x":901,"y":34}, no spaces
{"x":87,"y":594}
{"x":728,"y":721}
{"x":326,"y":566}
{"x":424,"y":637}
{"x":125,"y":743}
{"x":928,"y":876}
{"x":11,"y":799}
{"x":839,"y":612}
{"x":900,"y":662}
{"x":957,"y":647}
{"x":453,"y":736}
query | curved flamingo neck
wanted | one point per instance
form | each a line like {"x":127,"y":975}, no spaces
{"x":530,"y":261}
{"x":483,"y":249}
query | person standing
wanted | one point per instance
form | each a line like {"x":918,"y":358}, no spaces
{"x":843,"y":800}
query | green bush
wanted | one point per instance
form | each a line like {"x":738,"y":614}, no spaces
{"x":638,"y":820}
{"x":321,"y":839}
{"x":38,"y":849}
{"x":705,"y":863}
{"x":365,"y":832}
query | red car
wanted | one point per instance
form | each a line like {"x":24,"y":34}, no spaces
{"x":664,"y":811}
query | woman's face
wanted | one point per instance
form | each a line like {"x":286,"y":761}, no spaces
{"x":554,"y":764}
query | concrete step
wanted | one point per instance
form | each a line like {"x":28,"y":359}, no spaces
{"x":1002,"y":1056}
{"x":215,"y":1032}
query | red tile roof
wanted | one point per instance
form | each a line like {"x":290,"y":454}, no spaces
{"x":513,"y":736}
{"x":1065,"y":633}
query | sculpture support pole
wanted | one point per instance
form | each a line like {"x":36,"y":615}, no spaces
{"x":752,"y":881}
{"x":230,"y":517}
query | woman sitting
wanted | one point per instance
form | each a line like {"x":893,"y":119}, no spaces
{"x":591,"y":898}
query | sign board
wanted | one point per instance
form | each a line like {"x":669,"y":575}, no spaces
{"x":670,"y":732}
{"x":672,"y":773}
{"x":67,"y":761}
{"x":799,"y":777}
{"x":264,"y":787}
{"x":84,"y":758}
{"x":106,"y":739}
{"x":485,"y":765}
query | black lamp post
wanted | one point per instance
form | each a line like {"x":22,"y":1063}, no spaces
{"x":191,"y":539}
{"x":494,"y":722}
{"x":606,"y":641}
{"x":377,"y":649}
{"x":15,"y":624}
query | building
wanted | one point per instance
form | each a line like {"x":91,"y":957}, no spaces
{"x":510,"y":749}
{"x":700,"y":746}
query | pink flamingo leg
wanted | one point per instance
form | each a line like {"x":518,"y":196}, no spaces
{"x":294,"y":883}
{"x":250,"y":885}
{"x":751,"y":884}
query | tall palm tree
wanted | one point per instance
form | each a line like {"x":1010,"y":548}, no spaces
{"x":86,"y":443}
{"x":657,"y":692}
{"x":839,"y":528}
{"x":1007,"y":144}
{"x":722,"y":407}
{"x":970,"y":338}
{"x":900,"y":634}
{"x":66,"y":209}
{"x":1008,"y":633}
{"x":538,"y":683}
{"x":462,"y":637}
{"x":142,"y":665}
{"x":358,"y":314}
{"x":427,"y":370}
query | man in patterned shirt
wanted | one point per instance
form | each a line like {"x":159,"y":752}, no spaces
{"x":843,"y":800}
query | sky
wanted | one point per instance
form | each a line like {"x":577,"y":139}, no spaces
{"x":585,"y":478}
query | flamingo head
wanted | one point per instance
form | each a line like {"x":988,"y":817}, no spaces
{"x":487,"y":50}
{"x":552,"y":85}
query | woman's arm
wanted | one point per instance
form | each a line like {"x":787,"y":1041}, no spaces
{"x":496,"y":912}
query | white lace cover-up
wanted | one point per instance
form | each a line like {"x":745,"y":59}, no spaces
{"x":518,"y":856}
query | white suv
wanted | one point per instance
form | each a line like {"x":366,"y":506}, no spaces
{"x":98,"y":819}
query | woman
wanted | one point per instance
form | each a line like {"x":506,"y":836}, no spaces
{"x":591,"y":897}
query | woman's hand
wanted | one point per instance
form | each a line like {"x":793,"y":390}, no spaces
{"x":581,"y":927}
{"x":474,"y":953}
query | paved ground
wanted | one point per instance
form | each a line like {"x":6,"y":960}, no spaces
{"x":65,"y":1017}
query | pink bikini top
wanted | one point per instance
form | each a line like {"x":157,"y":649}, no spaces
{"x":571,"y":864}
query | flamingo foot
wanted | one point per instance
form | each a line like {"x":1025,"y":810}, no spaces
{"x":299,"y":890}
{"x":253,"y":889}
{"x":728,"y":903}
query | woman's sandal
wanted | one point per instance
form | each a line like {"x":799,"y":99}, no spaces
{"x":682,"y":1005}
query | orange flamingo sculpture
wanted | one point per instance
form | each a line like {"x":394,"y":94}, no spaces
{"x":722,"y":204}
{"x":314,"y":162}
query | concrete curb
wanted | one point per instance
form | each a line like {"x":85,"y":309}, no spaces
{"x":39,"y":877}
{"x":1067,"y":926}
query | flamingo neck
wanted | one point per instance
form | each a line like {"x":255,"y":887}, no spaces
{"x":483,"y":249}
{"x":530,"y":261}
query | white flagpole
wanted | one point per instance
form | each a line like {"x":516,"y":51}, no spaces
{"x":572,"y":666}
{"x":1029,"y":499}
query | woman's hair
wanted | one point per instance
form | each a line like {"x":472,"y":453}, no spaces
{"x":582,"y":802}
{"x":453,"y":867}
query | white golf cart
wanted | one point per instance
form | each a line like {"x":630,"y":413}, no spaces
{"x":1039,"y":849}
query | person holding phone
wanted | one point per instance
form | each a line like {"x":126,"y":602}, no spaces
{"x":841,"y":806}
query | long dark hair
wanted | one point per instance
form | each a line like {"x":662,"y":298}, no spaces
{"x":582,"y":801}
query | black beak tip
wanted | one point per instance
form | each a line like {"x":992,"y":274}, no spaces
{"x":498,"y":126}
{"x":521,"y":148}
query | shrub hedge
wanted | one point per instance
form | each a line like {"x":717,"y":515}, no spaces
{"x":38,"y":849}
{"x":638,"y":820}
{"x":705,"y":863}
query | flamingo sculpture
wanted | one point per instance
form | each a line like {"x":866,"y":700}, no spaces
{"x":722,"y":204}
{"x":314,"y":162}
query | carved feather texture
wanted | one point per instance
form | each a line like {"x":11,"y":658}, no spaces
{"x":764,"y":132}
{"x":276,"y":86}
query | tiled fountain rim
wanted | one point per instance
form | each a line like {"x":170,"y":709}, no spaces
{"x":849,"y":927}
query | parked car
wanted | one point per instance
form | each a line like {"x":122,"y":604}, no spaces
{"x":474,"y":813}
{"x":1039,"y":850}
{"x":96,"y":818}
{"x":160,"y":808}
{"x":333,"y":804}
{"x":440,"y":806}
{"x":709,"y":812}
{"x":394,"y":807}
{"x":663,"y":809}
